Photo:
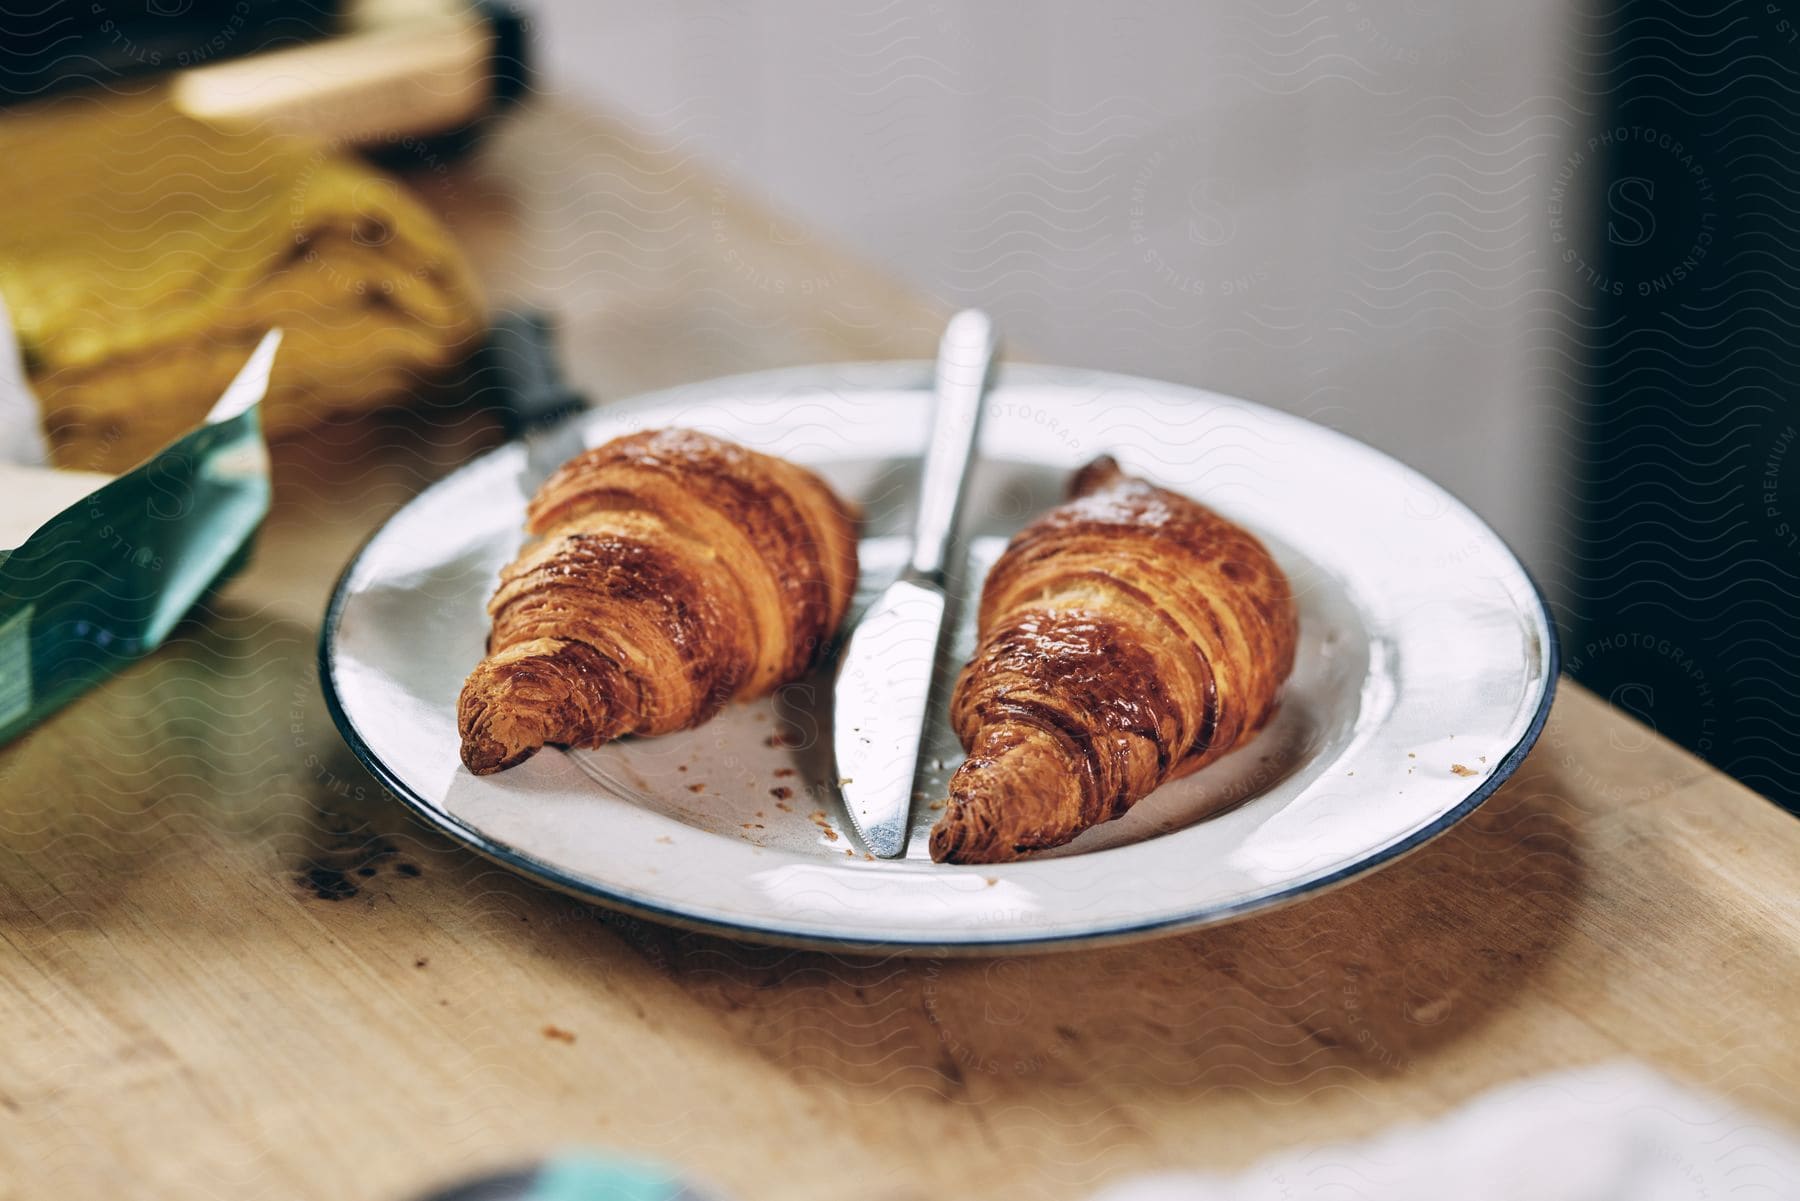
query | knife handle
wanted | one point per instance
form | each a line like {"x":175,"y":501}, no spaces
{"x":965,"y":359}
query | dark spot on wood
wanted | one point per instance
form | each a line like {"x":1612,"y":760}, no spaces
{"x":781,"y":792}
{"x":328,"y":883}
{"x":408,"y":869}
{"x":421,"y":961}
{"x":351,"y":852}
{"x":558,"y":1034}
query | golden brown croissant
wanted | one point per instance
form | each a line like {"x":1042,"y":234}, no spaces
{"x":1127,"y":637}
{"x":673,"y":572}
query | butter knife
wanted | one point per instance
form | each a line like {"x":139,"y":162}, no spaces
{"x":885,"y":673}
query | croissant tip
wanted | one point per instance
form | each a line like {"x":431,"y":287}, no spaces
{"x":945,"y":841}
{"x":955,"y":843}
{"x":484,"y":758}
{"x":962,"y":835}
{"x":483,"y":751}
{"x":483,"y":754}
{"x":1096,"y":474}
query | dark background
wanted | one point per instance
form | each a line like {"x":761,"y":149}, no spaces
{"x":1685,"y":602}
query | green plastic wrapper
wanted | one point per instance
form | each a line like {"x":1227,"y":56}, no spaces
{"x":104,"y":581}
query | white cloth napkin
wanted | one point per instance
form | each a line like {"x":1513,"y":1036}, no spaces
{"x":1616,"y":1132}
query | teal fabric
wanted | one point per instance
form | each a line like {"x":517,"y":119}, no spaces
{"x":104,"y":581}
{"x":593,"y":1178}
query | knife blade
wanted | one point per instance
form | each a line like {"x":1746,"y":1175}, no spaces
{"x":885,"y":673}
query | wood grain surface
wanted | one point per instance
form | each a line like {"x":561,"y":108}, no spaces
{"x":230,"y":966}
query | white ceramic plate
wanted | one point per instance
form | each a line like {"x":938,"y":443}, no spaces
{"x":1425,"y":672}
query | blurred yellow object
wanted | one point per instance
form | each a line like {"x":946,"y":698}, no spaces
{"x":143,"y":253}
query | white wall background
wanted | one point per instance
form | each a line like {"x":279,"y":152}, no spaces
{"x":1337,"y":207}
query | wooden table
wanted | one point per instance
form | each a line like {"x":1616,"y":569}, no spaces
{"x":231,"y":967}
